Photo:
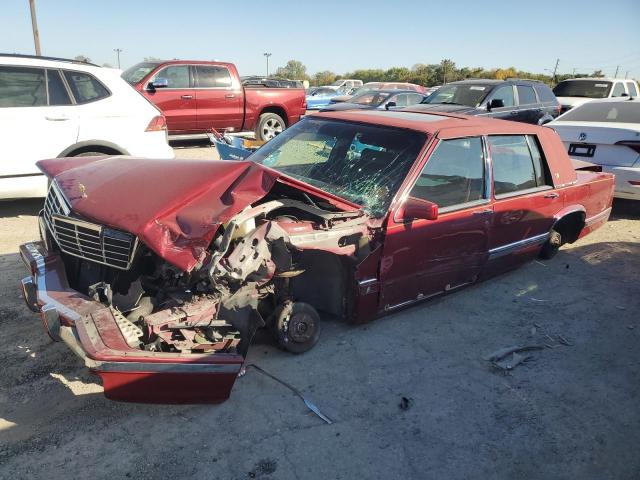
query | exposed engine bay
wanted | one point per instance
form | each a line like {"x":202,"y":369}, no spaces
{"x":276,"y":263}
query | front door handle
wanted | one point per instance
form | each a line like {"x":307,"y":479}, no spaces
{"x":186,"y":97}
{"x":513,"y":112}
{"x":230,"y":95}
{"x":482,"y":212}
{"x":61,"y":118}
{"x":551,"y":195}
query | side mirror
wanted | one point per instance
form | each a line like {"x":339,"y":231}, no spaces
{"x":158,"y":83}
{"x":495,"y":103}
{"x":624,"y":95}
{"x":416,"y":208}
{"x":390,"y":105}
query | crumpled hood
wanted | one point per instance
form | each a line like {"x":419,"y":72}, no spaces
{"x":173,"y":206}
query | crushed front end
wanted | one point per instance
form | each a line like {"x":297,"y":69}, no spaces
{"x":157,"y":333}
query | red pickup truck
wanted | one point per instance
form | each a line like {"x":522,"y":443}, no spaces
{"x":157,"y":273}
{"x":196,"y":96}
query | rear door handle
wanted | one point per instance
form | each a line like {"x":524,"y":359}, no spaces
{"x":513,"y":112}
{"x":61,"y":118}
{"x":229,"y":95}
{"x":186,"y":97}
{"x":551,"y":195}
{"x":482,"y":212}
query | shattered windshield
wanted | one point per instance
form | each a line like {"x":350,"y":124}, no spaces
{"x":365,"y":164}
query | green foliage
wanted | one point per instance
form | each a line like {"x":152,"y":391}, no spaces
{"x":325,"y":77}
{"x":82,"y":58}
{"x":293,"y":70}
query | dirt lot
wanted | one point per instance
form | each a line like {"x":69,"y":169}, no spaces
{"x":571,"y":412}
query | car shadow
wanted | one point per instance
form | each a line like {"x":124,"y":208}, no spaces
{"x":625,"y":209}
{"x":22,"y":206}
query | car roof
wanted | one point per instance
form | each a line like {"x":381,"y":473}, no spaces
{"x":599,"y":79}
{"x":50,"y":62}
{"x":446,"y":125}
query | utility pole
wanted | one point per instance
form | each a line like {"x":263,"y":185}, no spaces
{"x":118,"y":50}
{"x":626,"y":74}
{"x":444,"y":72}
{"x":34,"y":27}
{"x":617,"y":68}
{"x":267,"y":55}
{"x":555,"y":69}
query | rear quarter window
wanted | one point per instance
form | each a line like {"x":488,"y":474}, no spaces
{"x":545,"y":94}
{"x":633,"y":91}
{"x":85,"y":87}
{"x":526,"y":95}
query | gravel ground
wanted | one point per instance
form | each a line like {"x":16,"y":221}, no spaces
{"x":571,"y":412}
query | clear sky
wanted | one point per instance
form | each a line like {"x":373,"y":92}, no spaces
{"x":337,"y":35}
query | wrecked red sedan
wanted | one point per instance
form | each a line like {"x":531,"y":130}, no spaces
{"x":158,"y":273}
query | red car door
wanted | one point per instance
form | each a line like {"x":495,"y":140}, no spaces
{"x":219,"y":101}
{"x":424,"y":257}
{"x":177,"y":100}
{"x":525,"y":201}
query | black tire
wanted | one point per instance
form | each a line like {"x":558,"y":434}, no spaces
{"x":269,"y":125}
{"x":551,"y":246}
{"x":297,"y":327}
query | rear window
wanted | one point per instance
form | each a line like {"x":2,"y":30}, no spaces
{"x":583,"y":88}
{"x":517,"y":164}
{"x":85,"y":87}
{"x":58,"y":94}
{"x":615,"y":112}
{"x":633,"y":91}
{"x":22,"y":87}
{"x":213,"y":77}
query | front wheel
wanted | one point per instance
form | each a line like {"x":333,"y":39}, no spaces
{"x":269,"y":125}
{"x":551,"y":246}
{"x":297,"y":327}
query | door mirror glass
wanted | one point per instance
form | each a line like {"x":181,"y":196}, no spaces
{"x":415,"y":208}
{"x":159,"y":82}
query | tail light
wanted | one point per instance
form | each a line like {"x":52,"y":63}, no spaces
{"x":304,"y":104}
{"x":157,"y":124}
{"x":632,"y":144}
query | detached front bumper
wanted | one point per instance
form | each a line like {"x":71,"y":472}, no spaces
{"x":90,"y":330}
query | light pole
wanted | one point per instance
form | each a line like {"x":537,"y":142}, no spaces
{"x":118,"y":50}
{"x":267,"y":55}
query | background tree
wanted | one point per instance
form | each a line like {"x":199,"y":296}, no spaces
{"x":325,"y":77}
{"x":82,"y":58}
{"x":293,"y":70}
{"x":152,"y":59}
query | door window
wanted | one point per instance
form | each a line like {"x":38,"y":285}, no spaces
{"x":213,"y":77}
{"x":505,"y":94}
{"x":58,"y":94}
{"x":22,"y":87}
{"x":177,"y":76}
{"x":618,"y":90}
{"x":526,"y":95}
{"x":633,"y":91}
{"x":517,"y":164}
{"x":84,"y":87}
{"x":454,"y":174}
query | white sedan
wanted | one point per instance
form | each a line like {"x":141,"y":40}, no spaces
{"x":607,"y":133}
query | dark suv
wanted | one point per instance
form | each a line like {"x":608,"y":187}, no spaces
{"x":526,"y":101}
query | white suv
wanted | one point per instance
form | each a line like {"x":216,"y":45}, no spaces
{"x":62,"y":108}
{"x":576,"y":91}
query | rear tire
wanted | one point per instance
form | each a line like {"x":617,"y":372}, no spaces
{"x":269,"y":125}
{"x":551,"y":246}
{"x":297,"y":327}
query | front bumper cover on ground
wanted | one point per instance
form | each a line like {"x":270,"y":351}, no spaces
{"x":90,"y":330}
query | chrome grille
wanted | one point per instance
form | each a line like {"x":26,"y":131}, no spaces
{"x":87,"y":240}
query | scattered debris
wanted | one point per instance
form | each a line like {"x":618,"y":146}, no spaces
{"x":540,"y":263}
{"x":631,"y":327}
{"x":538,"y":300}
{"x":564,"y":341}
{"x":620,"y":307}
{"x":307,"y":402}
{"x":405,"y":403}
{"x":509,"y":357}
